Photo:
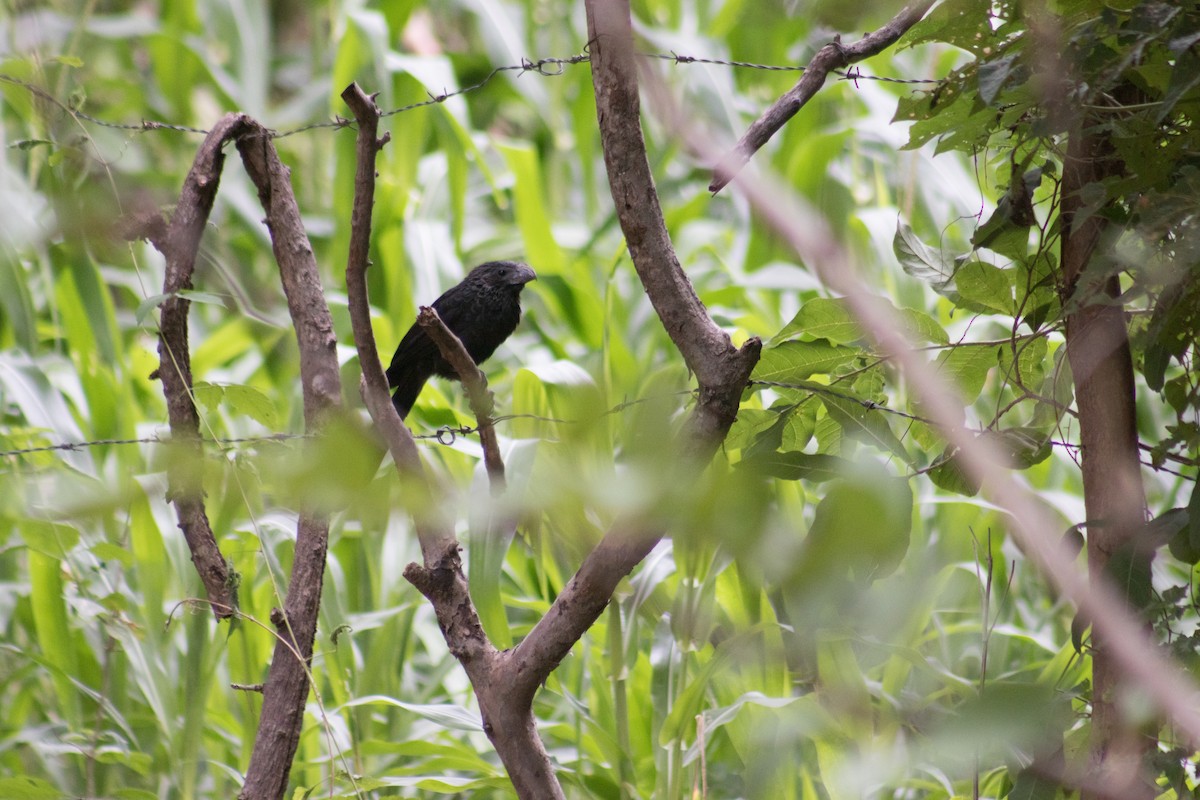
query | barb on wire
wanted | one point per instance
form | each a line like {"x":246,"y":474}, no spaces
{"x":678,"y":59}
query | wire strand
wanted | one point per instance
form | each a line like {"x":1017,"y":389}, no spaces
{"x":546,"y":67}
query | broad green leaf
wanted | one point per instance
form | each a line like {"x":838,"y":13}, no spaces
{"x":1024,"y":447}
{"x":985,"y":285}
{"x":1031,"y":786}
{"x":107,"y":551}
{"x":861,"y":527}
{"x":950,"y":475}
{"x":48,"y":598}
{"x":800,"y":706}
{"x":843,"y":684}
{"x":16,"y":301}
{"x":1130,"y":573}
{"x":445,"y":715}
{"x":25,"y":788}
{"x":751,"y":425}
{"x":832,"y":319}
{"x":1184,"y":78}
{"x":795,"y":361}
{"x":994,"y":74}
{"x":955,"y":22}
{"x":50,"y":539}
{"x":1193,"y":510}
{"x":1031,"y":363}
{"x":240,"y":400}
{"x":923,"y":328}
{"x":968,"y":366}
{"x":823,"y":318}
{"x":865,"y":424}
{"x":1173,"y":527}
{"x":922,"y":261}
{"x":794,"y":465}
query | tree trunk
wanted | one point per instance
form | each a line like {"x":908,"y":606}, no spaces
{"x":1098,"y":352}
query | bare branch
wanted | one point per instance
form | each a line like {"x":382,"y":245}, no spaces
{"x":375,"y":387}
{"x":287,"y":683}
{"x":830,"y":57}
{"x":721,"y":369}
{"x":475,"y":382}
{"x":179,"y":244}
{"x":437,"y":540}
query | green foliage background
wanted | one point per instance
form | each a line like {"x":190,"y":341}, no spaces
{"x":836,"y":614}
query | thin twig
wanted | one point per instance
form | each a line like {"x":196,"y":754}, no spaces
{"x":831,"y":57}
{"x":473,"y":379}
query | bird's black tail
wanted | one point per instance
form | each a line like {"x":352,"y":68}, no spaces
{"x":408,"y":385}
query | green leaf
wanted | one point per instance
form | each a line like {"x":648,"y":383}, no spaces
{"x":955,"y":22}
{"x":253,"y":403}
{"x":861,"y":526}
{"x":770,"y":438}
{"x":823,"y":318}
{"x":986,"y":286}
{"x":1024,"y":447}
{"x":239,"y":400}
{"x":1173,"y":528}
{"x":204,"y":298}
{"x":950,"y":475}
{"x":794,"y":361}
{"x":48,"y":601}
{"x":832,"y":319}
{"x":923,"y":328}
{"x":1193,"y":510}
{"x":968,"y":366}
{"x":1155,"y":361}
{"x":922,"y":261}
{"x":993,"y":75}
{"x":1184,"y":77}
{"x":1001,"y":235}
{"x":444,"y":715}
{"x":107,"y":551}
{"x":864,"y":424}
{"x":1030,"y":367}
{"x":22,"y":788}
{"x":794,"y":465}
{"x":134,"y":794}
{"x":48,"y":538}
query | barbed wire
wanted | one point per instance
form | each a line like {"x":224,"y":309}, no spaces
{"x":448,"y":434}
{"x":546,"y":67}
{"x":74,"y":446}
{"x":445,"y":435}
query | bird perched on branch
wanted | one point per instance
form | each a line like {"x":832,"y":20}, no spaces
{"x":482,"y":311}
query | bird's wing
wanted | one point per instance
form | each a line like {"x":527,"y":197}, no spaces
{"x":415,"y":348}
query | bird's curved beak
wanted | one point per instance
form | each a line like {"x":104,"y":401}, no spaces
{"x":524,"y":274}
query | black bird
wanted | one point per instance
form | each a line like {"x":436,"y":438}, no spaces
{"x":482,"y":310}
